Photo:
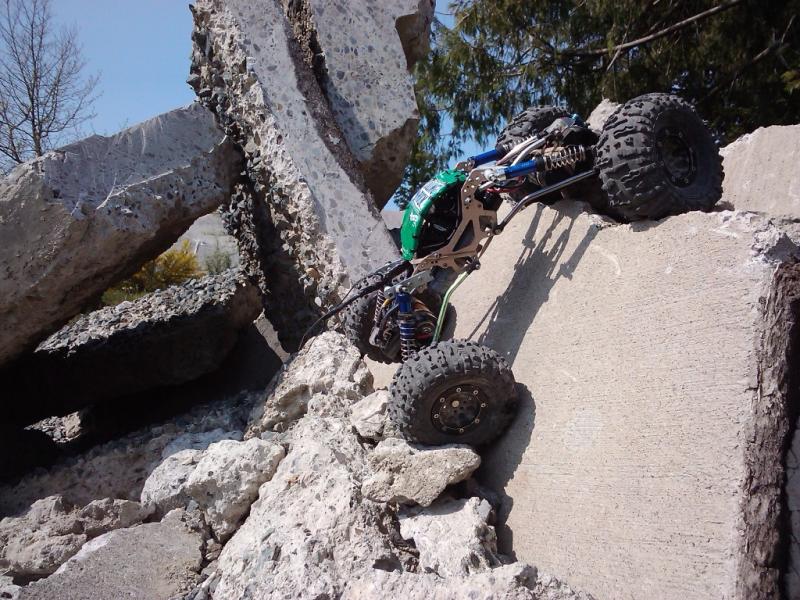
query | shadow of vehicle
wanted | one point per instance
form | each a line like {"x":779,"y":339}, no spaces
{"x":501,"y":460}
{"x":542,"y":261}
{"x":538,"y":267}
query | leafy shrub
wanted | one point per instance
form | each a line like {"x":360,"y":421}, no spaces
{"x":173,"y":267}
{"x":218,"y":261}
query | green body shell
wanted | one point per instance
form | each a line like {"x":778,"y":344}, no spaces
{"x":421,"y":203}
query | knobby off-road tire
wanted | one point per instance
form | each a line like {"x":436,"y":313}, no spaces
{"x":521,"y":127}
{"x":528,"y":122}
{"x":358,"y":318}
{"x":453,"y":392}
{"x":657,"y":158}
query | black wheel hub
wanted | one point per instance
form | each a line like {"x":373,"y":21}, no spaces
{"x":677,"y":156}
{"x":459,"y":409}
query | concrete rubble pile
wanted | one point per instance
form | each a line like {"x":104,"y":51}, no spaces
{"x":326,"y":117}
{"x":208,"y":500}
{"x":82,"y":217}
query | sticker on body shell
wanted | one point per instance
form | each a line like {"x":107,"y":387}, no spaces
{"x":426,"y":191}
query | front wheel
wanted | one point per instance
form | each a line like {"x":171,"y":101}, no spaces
{"x":454,"y":392}
{"x":656,"y":158}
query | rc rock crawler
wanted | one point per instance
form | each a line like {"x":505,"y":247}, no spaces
{"x":653,"y":158}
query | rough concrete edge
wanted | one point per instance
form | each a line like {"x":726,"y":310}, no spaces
{"x":763,"y":538}
{"x":147,"y":249}
{"x":256,"y":181}
{"x":301,"y":18}
{"x":304,"y":45}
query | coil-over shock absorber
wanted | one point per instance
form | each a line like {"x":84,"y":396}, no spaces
{"x":380,"y":298}
{"x":563,"y":157}
{"x":407,"y":325}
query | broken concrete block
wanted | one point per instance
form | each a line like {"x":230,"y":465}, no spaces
{"x":225,"y":481}
{"x":600,"y":114}
{"x":328,"y":365}
{"x":653,"y":360}
{"x":52,"y":530}
{"x":369,"y":415}
{"x":152,"y":560}
{"x":165,"y":487}
{"x":317,"y":228}
{"x":81,"y":218}
{"x":367,"y":83}
{"x":761,"y":171}
{"x":411,"y":474}
{"x":164,"y":338}
{"x":452,"y":536}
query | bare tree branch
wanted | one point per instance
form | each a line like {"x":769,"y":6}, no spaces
{"x":45,"y":94}
{"x":659,"y":34}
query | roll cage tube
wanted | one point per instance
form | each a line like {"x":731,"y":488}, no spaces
{"x":484,"y":157}
{"x":523,"y":168}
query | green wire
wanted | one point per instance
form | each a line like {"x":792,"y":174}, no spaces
{"x":446,"y":302}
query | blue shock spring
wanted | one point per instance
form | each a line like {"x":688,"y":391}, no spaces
{"x":407,"y":325}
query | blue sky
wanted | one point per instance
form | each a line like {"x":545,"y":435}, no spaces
{"x":140,"y":49}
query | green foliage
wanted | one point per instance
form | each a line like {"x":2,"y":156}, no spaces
{"x":735,"y":59}
{"x":218,"y":261}
{"x":173,"y":267}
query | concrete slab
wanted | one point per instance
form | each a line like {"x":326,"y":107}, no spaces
{"x":153,"y":560}
{"x":87,"y":215}
{"x":321,"y":227}
{"x":368,"y":85}
{"x":761,"y":171}
{"x":647,"y":458}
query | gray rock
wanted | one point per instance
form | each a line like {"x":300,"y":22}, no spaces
{"x":411,"y":474}
{"x":53,"y":530}
{"x":761,"y":171}
{"x":226,"y":479}
{"x":452,"y":536}
{"x":165,"y":487}
{"x":367,"y":84}
{"x":369,"y":415}
{"x":600,"y":114}
{"x":307,"y":221}
{"x":165,"y":338}
{"x":509,"y":582}
{"x":82,"y":217}
{"x":328,"y":365}
{"x":8,"y":591}
{"x":313,"y":534}
{"x":100,"y":516}
{"x":153,"y":560}
{"x":549,"y":587}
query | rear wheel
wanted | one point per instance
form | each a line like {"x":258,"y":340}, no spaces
{"x":358,"y":318}
{"x":454,"y":392}
{"x":657,"y":158}
{"x":527,"y":123}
